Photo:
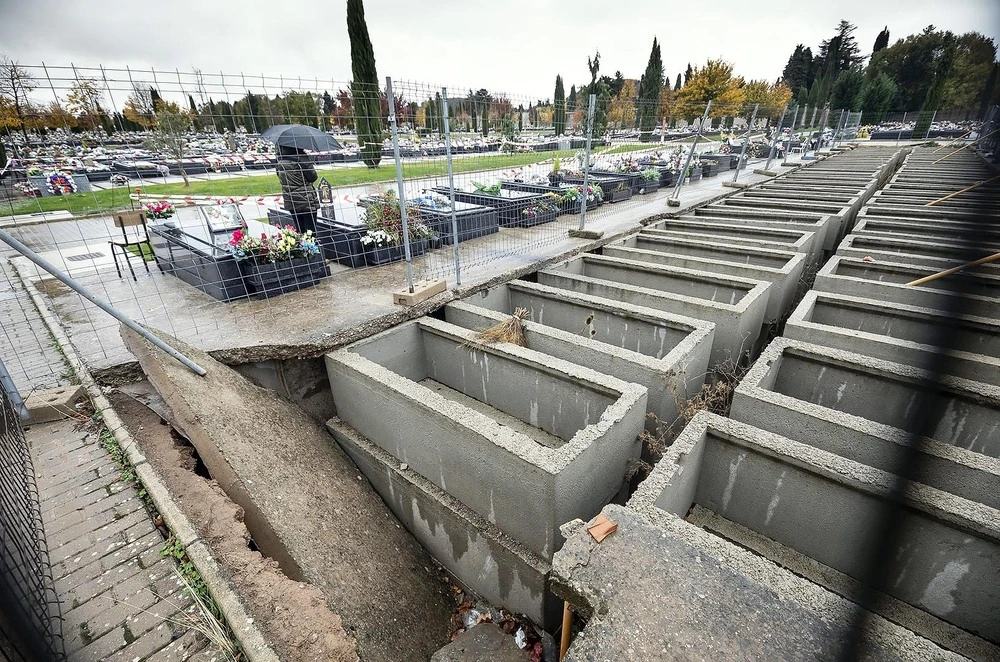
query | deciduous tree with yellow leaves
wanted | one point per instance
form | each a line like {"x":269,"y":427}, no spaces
{"x":713,"y":82}
{"x":621,"y":110}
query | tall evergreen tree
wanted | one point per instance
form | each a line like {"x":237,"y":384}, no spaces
{"x":881,"y":41}
{"x":364,"y":86}
{"x":846,"y":92}
{"x":687,"y":73}
{"x":559,"y":107}
{"x":649,"y":89}
{"x":877,"y":97}
{"x":798,"y":71}
{"x":802,"y":98}
{"x":677,"y":85}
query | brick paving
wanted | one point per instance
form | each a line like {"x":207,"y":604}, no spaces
{"x":120,"y":600}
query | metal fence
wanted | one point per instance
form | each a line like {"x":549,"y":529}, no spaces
{"x":512,"y":175}
{"x":30,"y":621}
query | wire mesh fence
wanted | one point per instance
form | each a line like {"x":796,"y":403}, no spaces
{"x":159,"y":169}
{"x":30,"y":621}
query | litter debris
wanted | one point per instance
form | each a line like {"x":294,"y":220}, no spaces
{"x":601,"y":528}
{"x":511,"y":330}
{"x":868,"y":258}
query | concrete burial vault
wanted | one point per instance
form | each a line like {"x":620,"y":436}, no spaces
{"x":525,"y":440}
{"x":781,"y":268}
{"x":816,"y":514}
{"x":735,"y":305}
{"x":668,"y":354}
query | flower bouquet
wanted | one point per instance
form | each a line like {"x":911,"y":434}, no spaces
{"x":159,"y":210}
{"x":544,"y":211}
{"x":28,"y":189}
{"x":279,"y":262}
{"x":383,"y":240}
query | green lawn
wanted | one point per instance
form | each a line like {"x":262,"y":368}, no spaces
{"x":143,"y":250}
{"x":107,"y":200}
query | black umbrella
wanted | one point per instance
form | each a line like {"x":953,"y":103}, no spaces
{"x":300,"y":136}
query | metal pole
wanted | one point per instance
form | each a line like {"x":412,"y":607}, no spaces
{"x":399,"y":183}
{"x":774,"y":138}
{"x":788,"y":143}
{"x":822,"y":127}
{"x":451,"y":185}
{"x":840,"y":122}
{"x":7,"y":384}
{"x":586,"y":159}
{"x":746,"y":141}
{"x":901,"y":125}
{"x":80,"y":289}
{"x":687,"y":163}
{"x":928,"y":131}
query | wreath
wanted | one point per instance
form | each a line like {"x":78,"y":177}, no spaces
{"x":60,"y":183}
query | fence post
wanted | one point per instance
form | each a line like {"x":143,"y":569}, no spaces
{"x":901,"y":125}
{"x":586,"y":159}
{"x":746,"y":141}
{"x":788,"y":143}
{"x":687,"y":163}
{"x":840,"y":125}
{"x":7,"y":384}
{"x":399,"y":183}
{"x":928,"y":131}
{"x":451,"y":185}
{"x":774,"y":138}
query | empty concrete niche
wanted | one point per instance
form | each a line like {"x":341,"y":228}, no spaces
{"x":735,"y":305}
{"x":898,"y":333}
{"x":668,"y":354}
{"x":926,"y":229}
{"x":826,"y":228}
{"x":527,"y":441}
{"x":937,"y":255}
{"x":799,"y":241}
{"x":826,"y":220}
{"x":819,"y":515}
{"x":971,"y":294}
{"x":859,"y":407}
{"x":782,"y":269}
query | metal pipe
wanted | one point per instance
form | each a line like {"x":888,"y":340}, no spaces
{"x":788,"y":143}
{"x":451,"y":186}
{"x":774,"y":138}
{"x":586,"y":159}
{"x":399,"y":183}
{"x":7,"y":384}
{"x":82,"y":291}
{"x":687,"y":163}
{"x":746,"y":141}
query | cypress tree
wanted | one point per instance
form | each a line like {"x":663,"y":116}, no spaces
{"x":571,"y":102}
{"x":474,"y":126}
{"x":677,"y":85}
{"x":687,"y":73}
{"x":881,"y":41}
{"x":559,"y":108}
{"x":364,"y":87}
{"x":649,"y":89}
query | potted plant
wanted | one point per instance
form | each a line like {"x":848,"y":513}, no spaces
{"x":276,"y":263}
{"x":544,"y":211}
{"x":556,"y":175}
{"x":159,"y":210}
{"x":570,"y":199}
{"x":709,"y":168}
{"x":694,"y":169}
{"x":383,"y":240}
{"x":650,"y":180}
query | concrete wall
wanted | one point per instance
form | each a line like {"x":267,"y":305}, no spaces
{"x":936,"y":254}
{"x":504,"y":474}
{"x":833,"y":216}
{"x":674,"y":376}
{"x":735,"y":305}
{"x":886,"y":281}
{"x":927,"y":229}
{"x":782,"y":269}
{"x":826,"y":227}
{"x":827,"y":508}
{"x":477,"y":553}
{"x":858,"y":407}
{"x":898,"y":333}
{"x":799,"y":241}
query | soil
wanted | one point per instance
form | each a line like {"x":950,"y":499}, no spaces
{"x":293,"y":615}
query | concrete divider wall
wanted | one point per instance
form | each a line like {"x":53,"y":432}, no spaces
{"x":826,"y":226}
{"x":937,"y":255}
{"x":956,"y":462}
{"x":801,"y":241}
{"x":927,"y":229}
{"x":502,"y":473}
{"x":898,"y":333}
{"x":886,"y":281}
{"x":782,"y":269}
{"x":672,"y":377}
{"x":478,"y":554}
{"x":826,"y":507}
{"x":735,"y":305}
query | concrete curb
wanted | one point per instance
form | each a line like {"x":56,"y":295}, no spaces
{"x":249,"y":636}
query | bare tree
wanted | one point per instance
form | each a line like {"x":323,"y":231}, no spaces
{"x":15,"y":85}
{"x":84,"y":101}
{"x":140,"y":107}
{"x":170,"y":134}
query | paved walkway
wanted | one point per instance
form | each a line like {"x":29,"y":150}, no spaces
{"x":120,"y":599}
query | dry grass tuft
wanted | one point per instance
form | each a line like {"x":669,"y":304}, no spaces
{"x":510,"y":331}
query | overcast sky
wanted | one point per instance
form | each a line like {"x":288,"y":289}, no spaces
{"x":513,"y":46}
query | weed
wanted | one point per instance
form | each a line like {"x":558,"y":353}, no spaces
{"x":127,"y":633}
{"x":86,"y":636}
